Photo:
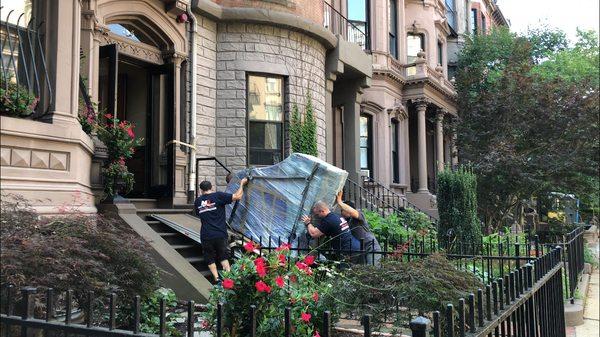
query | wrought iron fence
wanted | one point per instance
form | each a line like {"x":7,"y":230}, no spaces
{"x":24,"y":79}
{"x":351,"y":31}
{"x":528,"y":301}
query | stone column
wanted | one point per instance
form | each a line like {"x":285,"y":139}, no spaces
{"x":422,"y":141}
{"x":329,"y":121}
{"x":439,"y":138}
{"x":62,"y":55}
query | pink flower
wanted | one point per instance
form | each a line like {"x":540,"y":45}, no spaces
{"x":282,"y":259}
{"x":316,"y":334}
{"x":249,"y":246}
{"x":283,"y":247}
{"x":108,"y":116}
{"x":130,"y":133}
{"x":122,"y":161}
{"x":309,"y":260}
{"x":301,"y":265}
{"x":261,"y":270}
{"x":262,"y":287}
{"x":228,"y":283}
{"x":305,"y":316}
{"x":279,"y":281}
{"x":315,"y":296}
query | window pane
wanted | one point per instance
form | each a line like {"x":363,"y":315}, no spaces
{"x":265,"y":143}
{"x":474,"y":20}
{"x":357,"y":10}
{"x":364,"y":126}
{"x":413,"y":47}
{"x":265,"y":99}
{"x":364,"y":158}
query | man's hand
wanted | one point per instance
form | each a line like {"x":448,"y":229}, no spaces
{"x":306,"y":219}
{"x":243,"y":181}
{"x":338,"y":198}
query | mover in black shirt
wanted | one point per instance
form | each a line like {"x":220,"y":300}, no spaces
{"x":210,"y":208}
{"x":360,"y":229}
{"x":332,"y":225}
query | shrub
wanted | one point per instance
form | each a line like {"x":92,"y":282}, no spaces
{"x":397,"y":227}
{"x":81,"y":253}
{"x":418,"y":286}
{"x":590,"y":257}
{"x":457,"y":207}
{"x":16,"y":100}
{"x":271,"y":282}
{"x":303,"y":133}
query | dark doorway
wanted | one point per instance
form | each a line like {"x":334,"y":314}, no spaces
{"x":141,"y":93}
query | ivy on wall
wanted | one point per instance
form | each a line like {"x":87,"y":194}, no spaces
{"x":303,"y":132}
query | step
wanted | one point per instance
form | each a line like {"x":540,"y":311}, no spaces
{"x":144,"y":202}
{"x":160,"y":227}
{"x":181,"y":247}
{"x":164,"y":210}
{"x":194,"y":259}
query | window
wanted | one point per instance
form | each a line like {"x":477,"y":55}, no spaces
{"x":440,"y":53}
{"x":414,"y":44}
{"x":395,"y":156}
{"x":265,"y":120}
{"x":474,"y":20}
{"x":483,"y":24}
{"x":452,"y":69}
{"x":358,"y":22}
{"x":366,"y":147}
{"x":451,"y":14}
{"x":393,"y":28}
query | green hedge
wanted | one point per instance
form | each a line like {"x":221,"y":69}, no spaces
{"x":457,"y":207}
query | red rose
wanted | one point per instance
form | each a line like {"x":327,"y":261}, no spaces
{"x":262,"y":287}
{"x":281,"y":258}
{"x":108,"y":116}
{"x":249,"y":246}
{"x":309,"y":260}
{"x":305,"y":316}
{"x":308,"y":271}
{"x":279,"y":281}
{"x":301,"y":265}
{"x":283,"y":247}
{"x":227,"y":283}
{"x":315,"y":296}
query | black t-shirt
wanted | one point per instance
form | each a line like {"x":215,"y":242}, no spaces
{"x":336,"y":227}
{"x":210,"y":208}
{"x":360,"y":229}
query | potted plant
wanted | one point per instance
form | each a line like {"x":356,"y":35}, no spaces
{"x":16,"y":101}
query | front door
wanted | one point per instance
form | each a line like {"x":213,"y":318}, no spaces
{"x":141,"y":93}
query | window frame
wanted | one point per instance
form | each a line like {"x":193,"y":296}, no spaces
{"x":393,"y":30}
{"x":263,"y":121}
{"x":422,"y":36}
{"x":369,"y":145}
{"x":474,"y":19}
{"x":483,"y":23}
{"x":440,"y":52}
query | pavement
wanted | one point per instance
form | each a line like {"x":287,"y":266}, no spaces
{"x":591,"y":313}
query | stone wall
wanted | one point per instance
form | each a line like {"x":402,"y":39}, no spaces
{"x":255,"y":48}
{"x":206,"y":57}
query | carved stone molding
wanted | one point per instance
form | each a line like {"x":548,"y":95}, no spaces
{"x":28,"y":158}
{"x":139,"y":51}
{"x":399,"y":112}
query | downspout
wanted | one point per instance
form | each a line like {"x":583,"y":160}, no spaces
{"x":192,"y":133}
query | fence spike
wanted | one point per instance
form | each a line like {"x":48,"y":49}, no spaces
{"x":163,"y":319}
{"x":190,"y":319}
{"x":90,"y":309}
{"x":252,"y":320}
{"x":136,"y":314}
{"x":113,"y":311}
{"x":69,"y":303}
{"x":49,"y":304}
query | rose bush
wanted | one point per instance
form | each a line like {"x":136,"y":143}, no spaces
{"x":120,"y":141}
{"x":272,"y":282}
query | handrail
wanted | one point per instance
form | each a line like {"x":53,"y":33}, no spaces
{"x":338,"y":24}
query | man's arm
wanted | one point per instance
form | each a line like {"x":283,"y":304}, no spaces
{"x":313,"y":231}
{"x":353,"y":213}
{"x":240,"y":192}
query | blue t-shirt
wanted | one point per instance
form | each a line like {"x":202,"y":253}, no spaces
{"x":336,"y":227}
{"x":210,"y":208}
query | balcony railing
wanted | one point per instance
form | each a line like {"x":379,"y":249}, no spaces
{"x":350,"y":30}
{"x":24,"y":78}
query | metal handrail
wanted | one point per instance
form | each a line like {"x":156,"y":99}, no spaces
{"x":338,"y":24}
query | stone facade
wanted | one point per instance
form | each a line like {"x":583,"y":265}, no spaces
{"x":244,"y":49}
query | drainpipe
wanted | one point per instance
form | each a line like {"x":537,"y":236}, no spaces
{"x":192,"y":133}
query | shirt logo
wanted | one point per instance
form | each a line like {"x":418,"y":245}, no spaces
{"x":206,"y":206}
{"x":343,"y":224}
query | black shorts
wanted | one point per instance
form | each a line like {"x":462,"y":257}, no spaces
{"x":215,"y":250}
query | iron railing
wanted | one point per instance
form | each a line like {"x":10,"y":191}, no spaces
{"x":351,"y":31}
{"x":526,"y":302}
{"x":24,"y":74}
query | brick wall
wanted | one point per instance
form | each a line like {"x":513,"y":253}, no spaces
{"x":240,"y":46}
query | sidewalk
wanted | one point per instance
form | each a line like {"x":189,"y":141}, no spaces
{"x":591,"y":314}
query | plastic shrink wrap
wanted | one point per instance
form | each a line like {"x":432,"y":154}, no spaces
{"x":277,"y":196}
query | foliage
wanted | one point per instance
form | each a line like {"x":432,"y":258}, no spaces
{"x":457,"y":207}
{"x":150,"y":312}
{"x":590,"y":257}
{"x":303,"y":133}
{"x":120,"y":141}
{"x":87,"y":116}
{"x":271,"y":282}
{"x":420,"y":285}
{"x":16,"y":100}
{"x":78,"y":252}
{"x":528,"y":117}
{"x":398,"y":227}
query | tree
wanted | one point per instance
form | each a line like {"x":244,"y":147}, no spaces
{"x":303,"y":133}
{"x":457,"y":207}
{"x":528,"y":117}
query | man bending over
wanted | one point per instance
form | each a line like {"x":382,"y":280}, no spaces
{"x":332,"y":225}
{"x":210,"y":208}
